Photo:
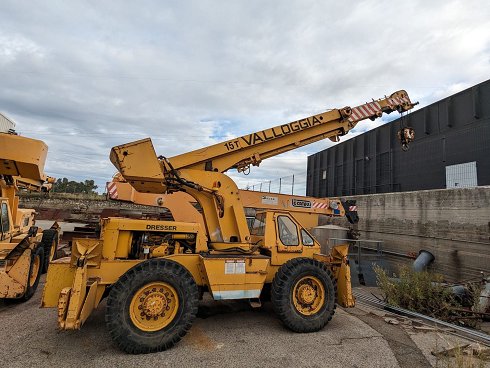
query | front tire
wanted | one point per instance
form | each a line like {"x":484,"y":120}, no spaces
{"x":304,"y":294}
{"x":35,"y":270}
{"x":50,"y":243}
{"x":152,"y":306}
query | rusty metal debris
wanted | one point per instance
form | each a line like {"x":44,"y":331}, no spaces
{"x":475,"y":350}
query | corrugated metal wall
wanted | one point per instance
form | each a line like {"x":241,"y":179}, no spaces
{"x":6,"y":123}
{"x":452,"y":131}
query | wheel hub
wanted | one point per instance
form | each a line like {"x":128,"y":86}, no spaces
{"x":308,"y":295}
{"x":154,"y":306}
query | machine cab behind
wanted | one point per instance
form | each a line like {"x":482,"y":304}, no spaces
{"x":280,"y":232}
{"x":6,"y":226}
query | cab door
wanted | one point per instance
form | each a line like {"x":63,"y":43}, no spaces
{"x":288,"y":236}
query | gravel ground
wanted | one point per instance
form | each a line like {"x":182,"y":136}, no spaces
{"x":225,"y":334}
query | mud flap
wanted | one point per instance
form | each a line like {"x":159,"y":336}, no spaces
{"x":71,"y":301}
{"x":90,"y":302}
{"x":341,"y":269}
{"x":344,"y":287}
{"x":77,"y":302}
{"x":344,"y":284}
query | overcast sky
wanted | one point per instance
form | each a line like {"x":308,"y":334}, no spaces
{"x":87,"y":75}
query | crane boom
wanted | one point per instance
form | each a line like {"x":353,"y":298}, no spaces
{"x":200,"y":173}
{"x":251,"y":149}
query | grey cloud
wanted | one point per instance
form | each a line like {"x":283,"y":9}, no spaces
{"x":87,"y":75}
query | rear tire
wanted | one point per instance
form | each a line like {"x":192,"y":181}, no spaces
{"x":49,"y":241}
{"x":152,"y":306}
{"x":304,"y":294}
{"x":35,"y":270}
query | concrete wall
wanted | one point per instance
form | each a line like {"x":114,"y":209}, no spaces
{"x":453,"y":224}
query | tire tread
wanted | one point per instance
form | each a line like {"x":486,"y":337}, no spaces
{"x":283,"y":284}
{"x":126,"y":336}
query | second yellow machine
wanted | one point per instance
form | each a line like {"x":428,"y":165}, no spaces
{"x":153,"y":273}
{"x":25,"y":249}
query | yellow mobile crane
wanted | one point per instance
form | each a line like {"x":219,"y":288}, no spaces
{"x":154,"y":272}
{"x":24,"y":248}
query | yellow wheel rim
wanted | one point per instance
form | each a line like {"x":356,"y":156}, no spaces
{"x":308,"y":295}
{"x":36,"y":265}
{"x":154,"y":306}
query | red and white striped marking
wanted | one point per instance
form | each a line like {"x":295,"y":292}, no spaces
{"x":371,"y":109}
{"x":320,"y":205}
{"x":398,"y":100}
{"x":365,"y":111}
{"x":352,"y":208}
{"x":112,"y":190}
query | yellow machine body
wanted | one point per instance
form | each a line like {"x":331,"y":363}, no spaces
{"x":21,"y":167}
{"x":95,"y":264}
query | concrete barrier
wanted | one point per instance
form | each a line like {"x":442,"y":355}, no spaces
{"x":452,"y":224}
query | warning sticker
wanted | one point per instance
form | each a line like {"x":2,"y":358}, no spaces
{"x":240,"y":267}
{"x":270,"y":200}
{"x":234,"y":267}
{"x":229,"y":267}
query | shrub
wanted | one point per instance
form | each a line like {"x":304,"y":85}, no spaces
{"x":421,"y":292}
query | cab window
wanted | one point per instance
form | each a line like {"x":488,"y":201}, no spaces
{"x":258,"y":225}
{"x":4,"y":218}
{"x":307,"y":239}
{"x":288,"y":233}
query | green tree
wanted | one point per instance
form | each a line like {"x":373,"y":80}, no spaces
{"x":70,"y":186}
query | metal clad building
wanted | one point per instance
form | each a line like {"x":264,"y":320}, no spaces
{"x":6,"y":124}
{"x":451,"y":149}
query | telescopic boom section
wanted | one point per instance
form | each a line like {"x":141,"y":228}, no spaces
{"x":251,"y":149}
